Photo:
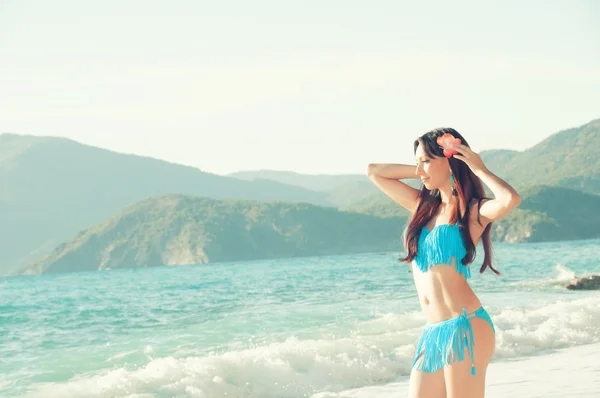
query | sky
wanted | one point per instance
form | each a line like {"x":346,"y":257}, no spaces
{"x":315,"y":87}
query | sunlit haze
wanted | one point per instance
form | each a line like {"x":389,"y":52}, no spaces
{"x":313,"y":87}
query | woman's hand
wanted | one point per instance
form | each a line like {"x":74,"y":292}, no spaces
{"x":472,"y":159}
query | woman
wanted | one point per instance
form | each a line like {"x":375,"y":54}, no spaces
{"x":449,"y":215}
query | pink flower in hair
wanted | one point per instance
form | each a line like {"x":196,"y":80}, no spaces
{"x":446,"y":141}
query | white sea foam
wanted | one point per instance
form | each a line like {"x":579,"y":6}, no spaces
{"x":561,"y":278}
{"x":564,"y":273}
{"x":564,"y":323}
{"x":289,"y":369}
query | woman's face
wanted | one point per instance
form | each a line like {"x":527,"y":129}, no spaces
{"x":433,"y":172}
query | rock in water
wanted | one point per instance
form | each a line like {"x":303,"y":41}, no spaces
{"x":586,"y":283}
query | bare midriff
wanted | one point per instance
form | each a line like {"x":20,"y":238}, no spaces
{"x":443,"y":292}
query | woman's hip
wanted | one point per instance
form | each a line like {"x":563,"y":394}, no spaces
{"x":479,"y":312}
{"x":444,"y":342}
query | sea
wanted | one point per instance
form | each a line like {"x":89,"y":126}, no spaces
{"x":277,"y":328}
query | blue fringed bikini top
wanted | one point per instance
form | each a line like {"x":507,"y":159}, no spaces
{"x":439,"y":246}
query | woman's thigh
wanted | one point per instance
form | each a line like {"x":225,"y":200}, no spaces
{"x":459,"y":380}
{"x":427,"y":384}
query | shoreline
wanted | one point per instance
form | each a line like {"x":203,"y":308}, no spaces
{"x":565,"y":373}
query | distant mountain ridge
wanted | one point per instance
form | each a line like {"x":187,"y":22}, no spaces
{"x":342,"y":190}
{"x":568,"y":158}
{"x":320,"y":182}
{"x":50,"y":188}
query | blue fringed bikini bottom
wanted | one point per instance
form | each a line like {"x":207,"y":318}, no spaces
{"x":444,"y":342}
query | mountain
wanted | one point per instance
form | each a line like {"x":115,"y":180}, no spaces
{"x":180,"y":229}
{"x":377,"y":206}
{"x":568,"y":158}
{"x":51,"y":188}
{"x":318,"y":182}
{"x":550,"y":213}
{"x":343,"y":190}
{"x":499,"y":156}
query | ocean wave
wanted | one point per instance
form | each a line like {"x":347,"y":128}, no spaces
{"x":561,"y":278}
{"x":564,"y":323}
{"x":377,"y":351}
{"x":291,"y":368}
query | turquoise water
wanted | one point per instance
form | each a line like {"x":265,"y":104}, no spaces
{"x":271,"y":328}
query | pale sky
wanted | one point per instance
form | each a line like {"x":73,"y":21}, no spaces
{"x":317,"y":87}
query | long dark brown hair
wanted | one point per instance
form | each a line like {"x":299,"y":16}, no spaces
{"x":468,"y":188}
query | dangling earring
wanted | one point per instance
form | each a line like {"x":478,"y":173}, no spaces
{"x":452,"y":185}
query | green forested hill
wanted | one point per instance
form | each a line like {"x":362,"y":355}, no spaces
{"x":568,"y":159}
{"x":173,"y":230}
{"x":545,"y":214}
{"x":177,"y":229}
{"x":571,"y":213}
